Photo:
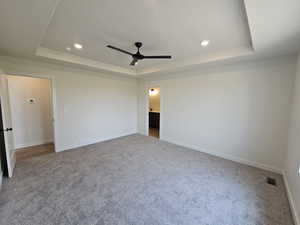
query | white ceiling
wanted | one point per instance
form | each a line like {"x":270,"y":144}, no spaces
{"x":236,"y":29}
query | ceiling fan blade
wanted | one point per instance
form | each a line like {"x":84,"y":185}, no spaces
{"x":157,"y":57}
{"x":133,"y":62}
{"x":120,"y":50}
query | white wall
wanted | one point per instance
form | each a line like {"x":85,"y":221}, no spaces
{"x":89,"y":106}
{"x":32,"y":122}
{"x":292,"y":162}
{"x":239,"y":111}
{"x":154,"y":101}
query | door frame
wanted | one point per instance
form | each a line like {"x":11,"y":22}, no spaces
{"x":53,"y":99}
{"x":7,"y":124}
{"x":4,"y":163}
{"x":146,"y":92}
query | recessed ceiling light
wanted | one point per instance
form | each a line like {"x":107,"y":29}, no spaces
{"x":68,"y":48}
{"x":78,"y":46}
{"x":204,"y":43}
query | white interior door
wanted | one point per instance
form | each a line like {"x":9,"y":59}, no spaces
{"x":7,"y":125}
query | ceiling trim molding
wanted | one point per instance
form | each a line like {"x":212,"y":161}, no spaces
{"x":35,"y":66}
{"x":244,"y":63}
{"x":175,"y":65}
{"x":57,"y":55}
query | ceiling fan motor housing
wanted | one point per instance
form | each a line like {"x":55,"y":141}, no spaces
{"x":138,"y":44}
{"x":138,"y":55}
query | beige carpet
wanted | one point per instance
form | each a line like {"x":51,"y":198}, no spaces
{"x":139,"y":180}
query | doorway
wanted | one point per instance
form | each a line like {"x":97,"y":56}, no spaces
{"x":154,"y":112}
{"x":31,"y":106}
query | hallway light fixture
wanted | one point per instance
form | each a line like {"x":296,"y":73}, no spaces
{"x":153,"y":91}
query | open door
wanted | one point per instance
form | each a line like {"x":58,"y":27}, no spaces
{"x":7,"y":132}
{"x":154,"y":112}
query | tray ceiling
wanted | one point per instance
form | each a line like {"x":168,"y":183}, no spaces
{"x":235,"y":28}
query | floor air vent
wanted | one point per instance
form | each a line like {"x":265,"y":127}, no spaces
{"x":271,"y":181}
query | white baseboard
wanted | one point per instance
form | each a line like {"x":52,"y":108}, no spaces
{"x":291,"y":200}
{"x":90,"y":142}
{"x":229,"y":157}
{"x":32,"y":143}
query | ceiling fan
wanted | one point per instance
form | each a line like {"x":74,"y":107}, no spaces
{"x":138,"y":56}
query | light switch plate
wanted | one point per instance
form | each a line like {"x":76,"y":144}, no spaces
{"x":31,"y":100}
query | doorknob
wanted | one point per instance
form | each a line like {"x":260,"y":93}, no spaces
{"x":7,"y":129}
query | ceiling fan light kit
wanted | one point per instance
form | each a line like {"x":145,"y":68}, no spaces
{"x":138,"y":56}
